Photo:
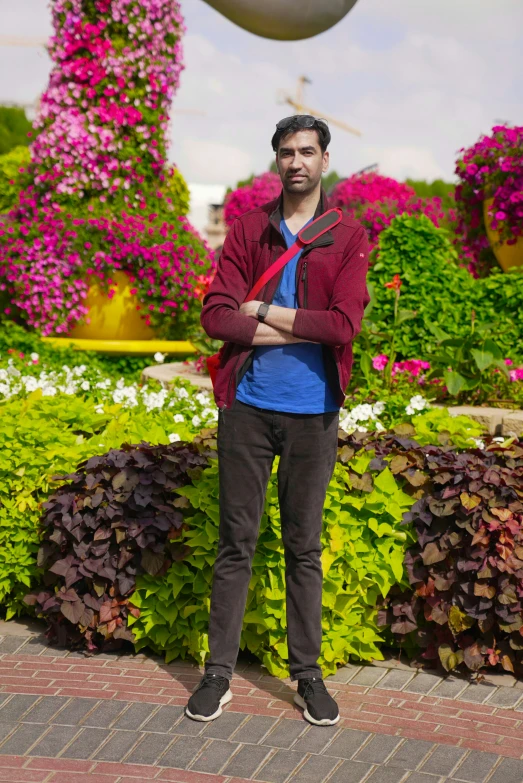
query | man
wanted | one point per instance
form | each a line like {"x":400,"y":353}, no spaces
{"x":279,"y":389}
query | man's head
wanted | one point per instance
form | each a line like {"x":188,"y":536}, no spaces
{"x":300,"y":144}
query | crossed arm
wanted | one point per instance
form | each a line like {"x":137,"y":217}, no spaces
{"x":278,"y":325}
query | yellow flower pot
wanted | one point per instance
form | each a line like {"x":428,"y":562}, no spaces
{"x":113,"y":319}
{"x":506,"y":255}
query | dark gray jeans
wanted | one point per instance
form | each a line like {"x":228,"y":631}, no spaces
{"x":248,"y":440}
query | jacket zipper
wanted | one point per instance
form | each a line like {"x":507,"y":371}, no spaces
{"x":305,"y":285}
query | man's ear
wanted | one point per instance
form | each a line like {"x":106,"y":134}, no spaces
{"x":326,"y":160}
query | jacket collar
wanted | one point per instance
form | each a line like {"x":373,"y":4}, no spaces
{"x":276,"y":216}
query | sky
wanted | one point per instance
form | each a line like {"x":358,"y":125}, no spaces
{"x":420,"y":79}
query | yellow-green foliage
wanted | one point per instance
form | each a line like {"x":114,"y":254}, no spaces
{"x":175,"y":188}
{"x":363,"y":549}
{"x":11,"y":178}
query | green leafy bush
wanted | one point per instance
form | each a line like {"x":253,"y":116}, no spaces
{"x":41,"y":436}
{"x":443,"y":295}
{"x":362,"y":558}
{"x":13,"y":176}
{"x":465,"y":603}
{"x":110,"y":523}
{"x":15,"y":128}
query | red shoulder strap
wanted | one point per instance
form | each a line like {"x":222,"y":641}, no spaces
{"x":306,"y":236}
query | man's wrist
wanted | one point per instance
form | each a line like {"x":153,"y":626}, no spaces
{"x":263,"y":311}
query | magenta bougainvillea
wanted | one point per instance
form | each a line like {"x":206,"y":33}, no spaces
{"x":101,"y":192}
{"x":375,"y":200}
{"x":491,"y":168}
{"x":262,"y":189}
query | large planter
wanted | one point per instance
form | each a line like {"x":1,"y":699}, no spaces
{"x":116,"y":318}
{"x":507,"y":255}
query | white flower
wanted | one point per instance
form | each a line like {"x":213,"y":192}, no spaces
{"x":174,"y":437}
{"x":99,"y":409}
{"x":196,"y":421}
{"x":379,"y":427}
{"x":479,"y":443}
{"x":209,"y":413}
{"x":159,"y":357}
{"x":203,"y":398}
{"x":178,"y":418}
{"x":183,"y":393}
{"x":34,"y":357}
{"x":417,"y":403}
{"x":85,"y":386}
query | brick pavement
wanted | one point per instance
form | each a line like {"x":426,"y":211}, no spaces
{"x":65,"y":718}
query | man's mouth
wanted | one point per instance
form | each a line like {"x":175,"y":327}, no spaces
{"x":296,"y":177}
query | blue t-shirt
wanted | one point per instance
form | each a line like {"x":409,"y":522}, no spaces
{"x":288,"y":378}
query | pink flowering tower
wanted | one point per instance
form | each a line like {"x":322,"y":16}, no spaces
{"x":101,"y":196}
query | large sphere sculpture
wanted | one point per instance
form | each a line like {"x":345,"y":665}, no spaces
{"x":284,"y":20}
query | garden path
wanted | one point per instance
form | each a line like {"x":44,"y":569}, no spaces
{"x":65,"y":718}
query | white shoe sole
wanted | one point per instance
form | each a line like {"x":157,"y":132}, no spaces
{"x":225,"y":699}
{"x":306,"y":714}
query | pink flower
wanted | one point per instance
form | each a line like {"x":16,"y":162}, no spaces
{"x":380,"y":362}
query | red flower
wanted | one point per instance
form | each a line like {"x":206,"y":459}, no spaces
{"x":395,"y":283}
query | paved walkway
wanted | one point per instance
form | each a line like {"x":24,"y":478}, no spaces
{"x":65,"y":718}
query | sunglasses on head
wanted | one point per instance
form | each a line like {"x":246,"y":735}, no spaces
{"x":303,"y":120}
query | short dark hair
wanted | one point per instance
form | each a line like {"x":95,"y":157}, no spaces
{"x":298,"y":122}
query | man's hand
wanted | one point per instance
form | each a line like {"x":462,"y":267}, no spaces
{"x":250,"y":308}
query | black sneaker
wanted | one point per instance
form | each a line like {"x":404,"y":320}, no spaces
{"x":316,"y":702}
{"x":209,"y":697}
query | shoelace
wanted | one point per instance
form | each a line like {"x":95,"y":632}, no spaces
{"x":314,"y":687}
{"x":213,"y":680}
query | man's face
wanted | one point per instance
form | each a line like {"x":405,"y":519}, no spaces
{"x":301,"y":162}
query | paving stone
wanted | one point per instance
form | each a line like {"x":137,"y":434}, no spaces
{"x":395,"y":679}
{"x":350,"y":772}
{"x":246,"y":761}
{"x":443,"y":760}
{"x":86,"y":743}
{"x":44,"y":710}
{"x":386,"y":775}
{"x":6,"y":729}
{"x":164,"y":719}
{"x":191,"y":728}
{"x":449,"y":688}
{"x":214,"y":756}
{"x":378,"y":749}
{"x":509,"y":771}
{"x":280,"y":766}
{"x":315,"y":769}
{"x":284,"y":733}
{"x":475,"y":768}
{"x":104,"y":714}
{"x":4,"y":697}
{"x":410,"y":754}
{"x":422,"y":683}
{"x":54,"y":741}
{"x":118,"y":746}
{"x":21,"y":740}
{"x":223,"y":728}
{"x":347,"y":743}
{"x":75,"y":711}
{"x":12,"y":711}
{"x":150,"y":749}
{"x":422,"y":777}
{"x":477,"y":692}
{"x":255,"y":729}
{"x":316,"y":739}
{"x":505,"y":697}
{"x":10,"y":644}
{"x":182,"y":752}
{"x":133,"y":717}
{"x":34,"y":646}
{"x":342,"y":675}
{"x":369,"y":676}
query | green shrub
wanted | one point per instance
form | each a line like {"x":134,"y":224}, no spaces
{"x":363,"y":549}
{"x":41,"y":436}
{"x":13,"y":168}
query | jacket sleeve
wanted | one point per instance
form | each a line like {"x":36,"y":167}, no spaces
{"x":220,"y":315}
{"x":340,"y":324}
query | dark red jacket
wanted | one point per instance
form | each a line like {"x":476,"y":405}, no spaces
{"x":332,"y":293}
